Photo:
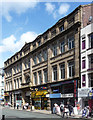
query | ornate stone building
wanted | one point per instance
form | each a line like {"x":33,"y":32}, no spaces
{"x":47,"y":70}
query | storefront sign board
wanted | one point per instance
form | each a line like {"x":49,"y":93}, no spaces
{"x":67,"y":95}
{"x":56,"y":95}
{"x":83,"y":92}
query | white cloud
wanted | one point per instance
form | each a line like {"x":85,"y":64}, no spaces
{"x":16,"y":7}
{"x":63,"y":9}
{"x":50,"y":7}
{"x":10,"y":44}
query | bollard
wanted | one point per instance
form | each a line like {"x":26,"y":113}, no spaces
{"x":3,"y":117}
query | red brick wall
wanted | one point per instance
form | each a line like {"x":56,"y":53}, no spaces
{"x":87,"y":11}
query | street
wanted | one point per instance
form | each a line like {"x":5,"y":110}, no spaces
{"x":11,"y":114}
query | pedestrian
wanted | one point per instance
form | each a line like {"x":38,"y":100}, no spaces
{"x":14,"y":105}
{"x":62,"y":109}
{"x":54,"y":109}
{"x":87,"y":113}
{"x":58,"y":109}
{"x":70,"y":107}
{"x":27,"y":104}
{"x":84,"y":112}
{"x":66,"y":111}
{"x":17,"y":105}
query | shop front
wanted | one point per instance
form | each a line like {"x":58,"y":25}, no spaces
{"x":85,"y":97}
{"x":64,"y":92}
{"x":10,"y":98}
{"x":6,"y":97}
{"x":39,"y":100}
{"x":18,"y":98}
{"x":27,"y":97}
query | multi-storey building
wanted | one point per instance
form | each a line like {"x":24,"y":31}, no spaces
{"x":1,"y":84}
{"x":47,"y":70}
{"x":86,"y":90}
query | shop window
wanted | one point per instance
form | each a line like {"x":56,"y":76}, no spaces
{"x":62,"y":71}
{"x":83,"y":80}
{"x":55,"y":73}
{"x":71,"y":68}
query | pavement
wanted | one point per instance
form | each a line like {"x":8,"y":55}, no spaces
{"x":49,"y":112}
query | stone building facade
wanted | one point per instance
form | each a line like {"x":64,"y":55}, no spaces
{"x":47,"y":70}
{"x":1,"y":84}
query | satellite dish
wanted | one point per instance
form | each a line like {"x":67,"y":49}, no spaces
{"x":90,"y":19}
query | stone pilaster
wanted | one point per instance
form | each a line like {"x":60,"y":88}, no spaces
{"x":23,"y":98}
{"x":49,"y":101}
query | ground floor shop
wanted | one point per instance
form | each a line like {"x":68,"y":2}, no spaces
{"x":85,"y":97}
{"x":39,"y":99}
{"x":64,"y":92}
{"x":43,"y":97}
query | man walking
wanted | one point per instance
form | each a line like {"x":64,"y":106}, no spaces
{"x":62,"y":109}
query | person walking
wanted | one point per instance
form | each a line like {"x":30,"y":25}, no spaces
{"x":66,"y":111}
{"x":70,"y":107}
{"x":14,"y":105}
{"x":62,"y":109}
{"x":54,"y":108}
{"x":17,"y":105}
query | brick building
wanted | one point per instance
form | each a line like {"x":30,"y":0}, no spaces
{"x":47,"y":70}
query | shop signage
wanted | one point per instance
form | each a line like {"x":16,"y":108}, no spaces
{"x":55,"y":90}
{"x":56,"y":95}
{"x":67,"y":95}
{"x":47,"y":95}
{"x":38,"y":93}
{"x":43,"y":92}
{"x":83,"y":92}
{"x":6,"y":94}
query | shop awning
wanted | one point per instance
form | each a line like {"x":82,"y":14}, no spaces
{"x":39,"y":93}
{"x":6,"y":94}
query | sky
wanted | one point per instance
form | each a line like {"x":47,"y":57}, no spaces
{"x":22,"y":22}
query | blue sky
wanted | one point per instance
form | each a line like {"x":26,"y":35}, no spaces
{"x":23,"y":21}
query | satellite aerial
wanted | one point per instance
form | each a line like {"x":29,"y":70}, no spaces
{"x":90,"y":19}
